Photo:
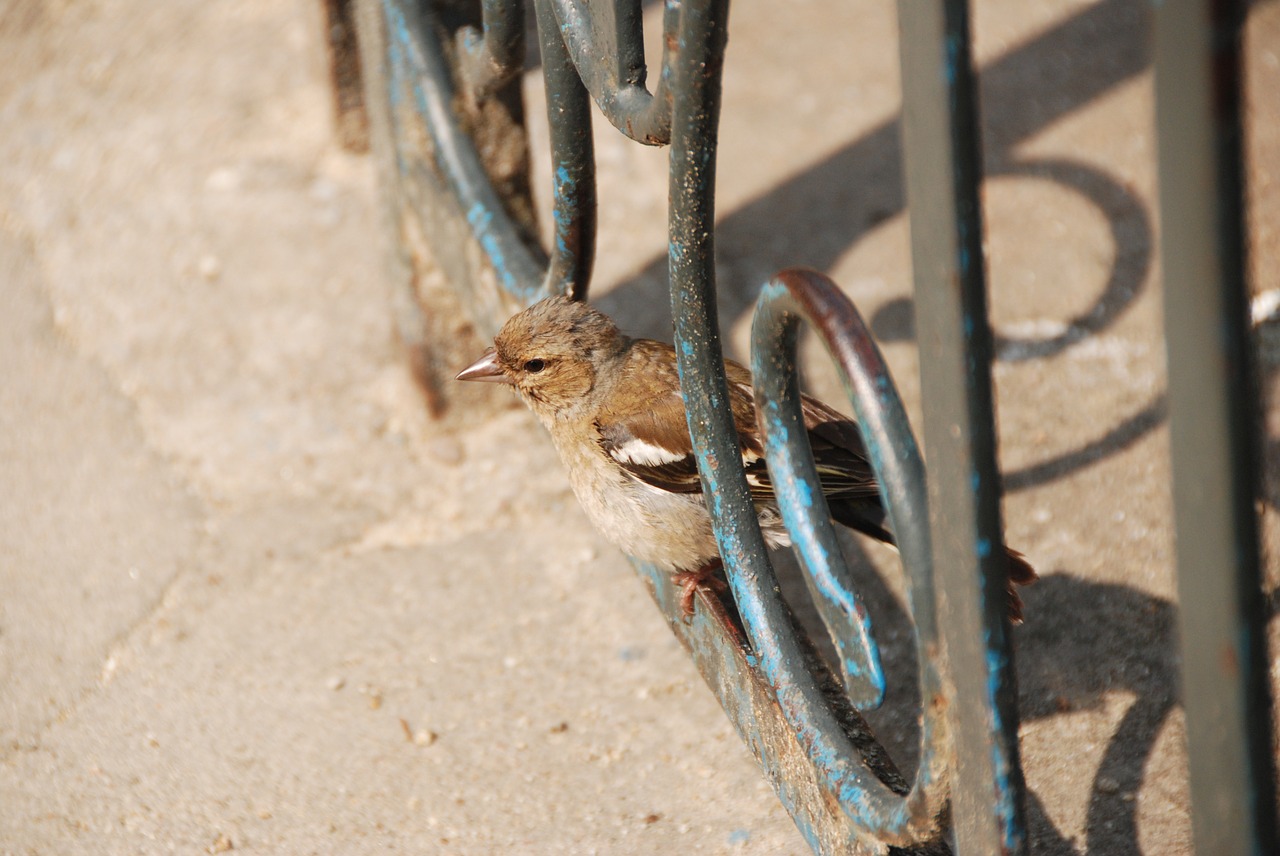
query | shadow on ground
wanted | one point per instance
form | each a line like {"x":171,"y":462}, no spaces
{"x":1059,"y":670}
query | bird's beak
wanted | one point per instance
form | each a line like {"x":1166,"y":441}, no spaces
{"x":485,"y":369}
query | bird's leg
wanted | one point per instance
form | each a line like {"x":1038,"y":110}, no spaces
{"x":705,"y":576}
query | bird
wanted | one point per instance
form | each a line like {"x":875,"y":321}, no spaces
{"x":616,"y":415}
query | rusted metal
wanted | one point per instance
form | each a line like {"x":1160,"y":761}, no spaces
{"x":608,"y":50}
{"x":492,"y":56}
{"x":788,"y":299}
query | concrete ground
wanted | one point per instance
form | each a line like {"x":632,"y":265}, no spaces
{"x":251,"y":599}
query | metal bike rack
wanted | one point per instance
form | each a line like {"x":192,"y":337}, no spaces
{"x":441,"y":93}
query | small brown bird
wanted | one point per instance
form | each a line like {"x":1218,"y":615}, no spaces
{"x":614,"y":409}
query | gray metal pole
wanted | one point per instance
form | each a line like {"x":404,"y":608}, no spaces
{"x":943,"y":168}
{"x":1213,"y":410}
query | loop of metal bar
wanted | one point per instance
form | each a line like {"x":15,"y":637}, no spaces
{"x":876,"y":809}
{"x":618,"y":87}
{"x":788,"y":299}
{"x":492,"y":57}
{"x":606,"y":44}
{"x":418,"y":66}
{"x":878,"y":813}
{"x":793,"y":473}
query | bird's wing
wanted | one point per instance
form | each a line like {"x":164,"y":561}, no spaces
{"x":653,"y":445}
{"x":838,"y":453}
{"x":646,"y":432}
{"x":650,"y":440}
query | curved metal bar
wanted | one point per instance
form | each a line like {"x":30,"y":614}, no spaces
{"x":804,"y":510}
{"x":619,"y":88}
{"x":490,"y":60}
{"x":417,"y":63}
{"x":573,"y":169}
{"x":879,"y":813}
{"x":798,"y":295}
{"x":715,"y":642}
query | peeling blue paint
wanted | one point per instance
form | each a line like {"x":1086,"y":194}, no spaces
{"x":1006,"y":790}
{"x":481,"y":222}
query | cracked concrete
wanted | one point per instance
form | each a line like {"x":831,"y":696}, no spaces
{"x":111,"y":526}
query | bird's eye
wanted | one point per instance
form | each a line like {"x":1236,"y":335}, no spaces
{"x":534,"y":366}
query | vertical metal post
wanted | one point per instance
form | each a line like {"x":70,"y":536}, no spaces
{"x":691,"y":259}
{"x":1213,"y":414}
{"x":943,"y":169}
{"x":573,"y":185}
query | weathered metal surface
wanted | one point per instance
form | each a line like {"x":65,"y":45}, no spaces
{"x":1214,"y":425}
{"x":453,"y":171}
{"x":573,"y":188}
{"x":493,"y":56}
{"x":867,"y":811}
{"x":719,"y":648}
{"x":861,"y":811}
{"x":606,"y":43}
{"x":793,"y":474}
{"x":791,"y":297}
{"x":942,"y":166}
{"x":443,"y":180}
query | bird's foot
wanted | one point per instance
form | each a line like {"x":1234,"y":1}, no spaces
{"x":705,"y":577}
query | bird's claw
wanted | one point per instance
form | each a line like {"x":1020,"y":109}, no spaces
{"x":704,"y":577}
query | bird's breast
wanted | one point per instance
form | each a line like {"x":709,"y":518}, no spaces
{"x":672,"y":530}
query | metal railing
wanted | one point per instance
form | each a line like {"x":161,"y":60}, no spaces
{"x":432,"y":70}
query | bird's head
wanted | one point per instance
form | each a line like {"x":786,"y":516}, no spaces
{"x":552,"y":352}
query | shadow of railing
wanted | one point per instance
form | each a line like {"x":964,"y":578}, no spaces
{"x":1060,"y":670}
{"x":836,"y":202}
